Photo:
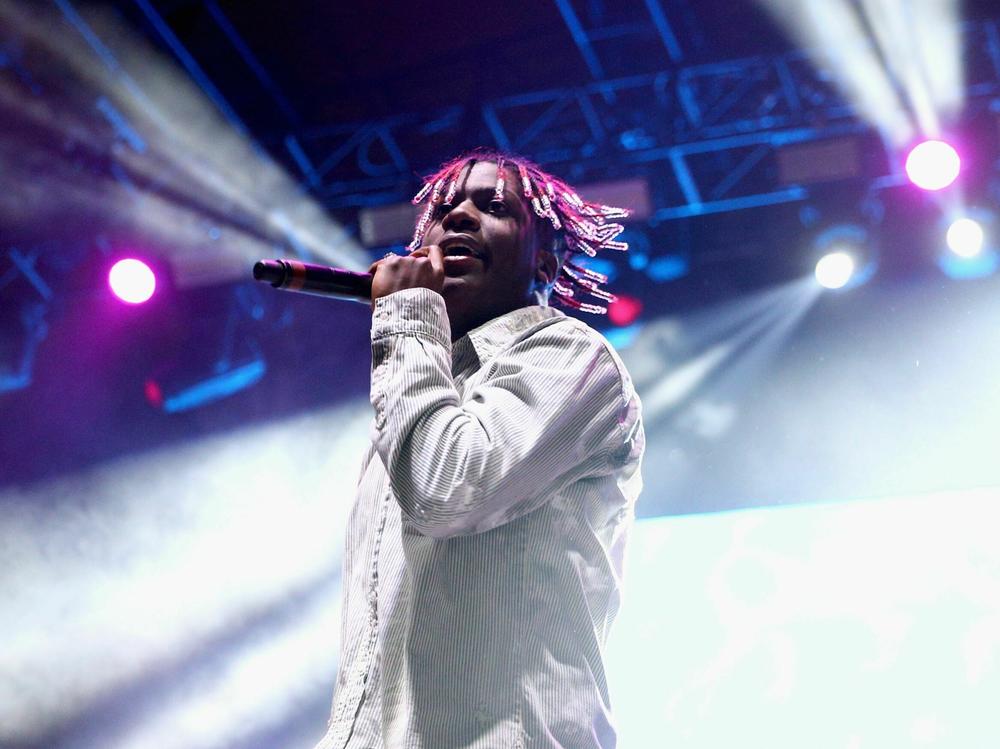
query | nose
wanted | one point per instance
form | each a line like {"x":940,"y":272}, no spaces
{"x":463,"y":217}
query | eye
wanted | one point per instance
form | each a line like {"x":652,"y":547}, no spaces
{"x":442,"y":208}
{"x":498,"y":207}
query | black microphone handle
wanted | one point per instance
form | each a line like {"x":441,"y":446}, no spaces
{"x":319,"y":280}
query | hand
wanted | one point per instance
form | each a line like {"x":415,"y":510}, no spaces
{"x":421,"y":269}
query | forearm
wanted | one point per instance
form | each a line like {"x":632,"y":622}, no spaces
{"x":436,"y":452}
{"x":547,"y":405}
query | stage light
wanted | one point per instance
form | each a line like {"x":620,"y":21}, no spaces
{"x":835,"y":269}
{"x":972,"y":245}
{"x":933,"y":165}
{"x":624,"y":310}
{"x":667,"y":268}
{"x":965,"y":237}
{"x":132,"y":281}
{"x":153,"y":392}
{"x":898,"y":64}
{"x":844,"y":256}
{"x":220,"y":385}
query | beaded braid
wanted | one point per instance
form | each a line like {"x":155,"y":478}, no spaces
{"x":584,"y":228}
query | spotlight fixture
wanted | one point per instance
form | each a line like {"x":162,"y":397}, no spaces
{"x":844,"y":256}
{"x":965,"y":237}
{"x":835,"y":269}
{"x":132,"y":281}
{"x":972,"y":245}
{"x":933,"y":165}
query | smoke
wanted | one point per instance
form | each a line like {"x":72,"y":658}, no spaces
{"x":104,"y":135}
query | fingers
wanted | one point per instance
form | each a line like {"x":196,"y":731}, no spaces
{"x":422,"y":268}
{"x":384,"y":258}
{"x":377,"y":281}
{"x":436,"y":255}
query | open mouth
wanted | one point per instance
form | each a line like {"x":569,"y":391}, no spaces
{"x":460,"y":259}
{"x":459,"y":265}
{"x":458,"y":250}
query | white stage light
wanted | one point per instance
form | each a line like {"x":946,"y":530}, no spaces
{"x":933,"y":165}
{"x":835,"y":269}
{"x":965,"y":237}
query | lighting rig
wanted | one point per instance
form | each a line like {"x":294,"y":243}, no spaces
{"x":693,"y":146}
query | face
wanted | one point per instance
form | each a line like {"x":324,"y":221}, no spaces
{"x":492,"y":259}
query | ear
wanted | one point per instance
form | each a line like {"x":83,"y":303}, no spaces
{"x":546,"y":267}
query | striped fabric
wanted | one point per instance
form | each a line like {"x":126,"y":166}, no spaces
{"x":484,"y":551}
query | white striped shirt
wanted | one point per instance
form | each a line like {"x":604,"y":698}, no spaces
{"x":484,"y":551}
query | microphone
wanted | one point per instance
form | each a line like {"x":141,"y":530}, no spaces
{"x":320,"y":280}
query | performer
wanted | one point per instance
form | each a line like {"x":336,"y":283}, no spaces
{"x":483,"y":561}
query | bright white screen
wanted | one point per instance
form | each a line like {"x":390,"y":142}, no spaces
{"x":856,"y":625}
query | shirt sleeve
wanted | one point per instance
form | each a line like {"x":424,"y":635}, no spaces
{"x":550,"y":404}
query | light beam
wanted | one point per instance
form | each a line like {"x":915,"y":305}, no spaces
{"x":898,"y":63}
{"x":142,"y":152}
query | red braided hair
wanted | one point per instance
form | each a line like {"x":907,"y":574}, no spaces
{"x":583,"y":227}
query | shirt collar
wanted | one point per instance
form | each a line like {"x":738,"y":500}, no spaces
{"x":490,"y":337}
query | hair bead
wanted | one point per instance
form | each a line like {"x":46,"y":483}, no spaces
{"x":452,"y":189}
{"x":501,"y":182}
{"x":419,"y":197}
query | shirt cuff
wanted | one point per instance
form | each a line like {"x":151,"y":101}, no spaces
{"x":419,"y":312}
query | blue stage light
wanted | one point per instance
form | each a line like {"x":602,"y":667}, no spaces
{"x":622,"y":338}
{"x":667,"y":268}
{"x":962,"y":268}
{"x":214,"y":388}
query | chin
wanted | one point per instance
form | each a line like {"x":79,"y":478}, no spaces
{"x":458,"y":286}
{"x":458,"y":299}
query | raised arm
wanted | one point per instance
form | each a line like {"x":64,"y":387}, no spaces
{"x":554,"y":405}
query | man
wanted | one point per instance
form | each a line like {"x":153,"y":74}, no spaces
{"x":484,"y":552}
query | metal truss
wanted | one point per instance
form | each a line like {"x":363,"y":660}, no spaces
{"x":586,"y":39}
{"x":708,"y":127}
{"x":704,"y":130}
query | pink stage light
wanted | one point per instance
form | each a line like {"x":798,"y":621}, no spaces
{"x":132,"y":281}
{"x":624,"y":310}
{"x":933,"y":165}
{"x":153,"y":392}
